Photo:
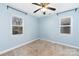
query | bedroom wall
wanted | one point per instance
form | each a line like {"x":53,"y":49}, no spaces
{"x":7,"y":40}
{"x":36,"y":28}
{"x":49,"y":28}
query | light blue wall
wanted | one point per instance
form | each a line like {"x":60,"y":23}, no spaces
{"x":7,"y":40}
{"x":34,"y":28}
{"x":49,"y":28}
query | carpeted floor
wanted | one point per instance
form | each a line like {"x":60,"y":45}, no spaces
{"x":43,"y":48}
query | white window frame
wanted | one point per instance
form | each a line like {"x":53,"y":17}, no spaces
{"x":71,"y":25}
{"x":17,"y":25}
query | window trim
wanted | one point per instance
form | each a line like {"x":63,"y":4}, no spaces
{"x":71,"y":25}
{"x":17,"y":25}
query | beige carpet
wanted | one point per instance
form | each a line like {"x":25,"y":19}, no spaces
{"x":43,"y":48}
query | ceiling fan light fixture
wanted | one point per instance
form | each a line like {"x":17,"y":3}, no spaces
{"x":43,"y":9}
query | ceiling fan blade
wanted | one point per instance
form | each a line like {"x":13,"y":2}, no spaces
{"x":36,"y":4}
{"x":51,"y":8}
{"x":44,"y":13}
{"x":37,"y":10}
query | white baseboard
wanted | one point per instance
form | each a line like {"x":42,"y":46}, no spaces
{"x":20,"y":45}
{"x":62,"y":44}
{"x":1,"y":52}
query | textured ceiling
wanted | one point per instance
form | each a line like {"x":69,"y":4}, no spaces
{"x":29,"y":8}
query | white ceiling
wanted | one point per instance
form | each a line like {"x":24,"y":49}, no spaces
{"x":29,"y":8}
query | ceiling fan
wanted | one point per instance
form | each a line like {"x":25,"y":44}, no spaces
{"x":43,"y":7}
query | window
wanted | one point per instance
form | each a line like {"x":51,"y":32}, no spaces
{"x":17,"y":27}
{"x":65,"y":25}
